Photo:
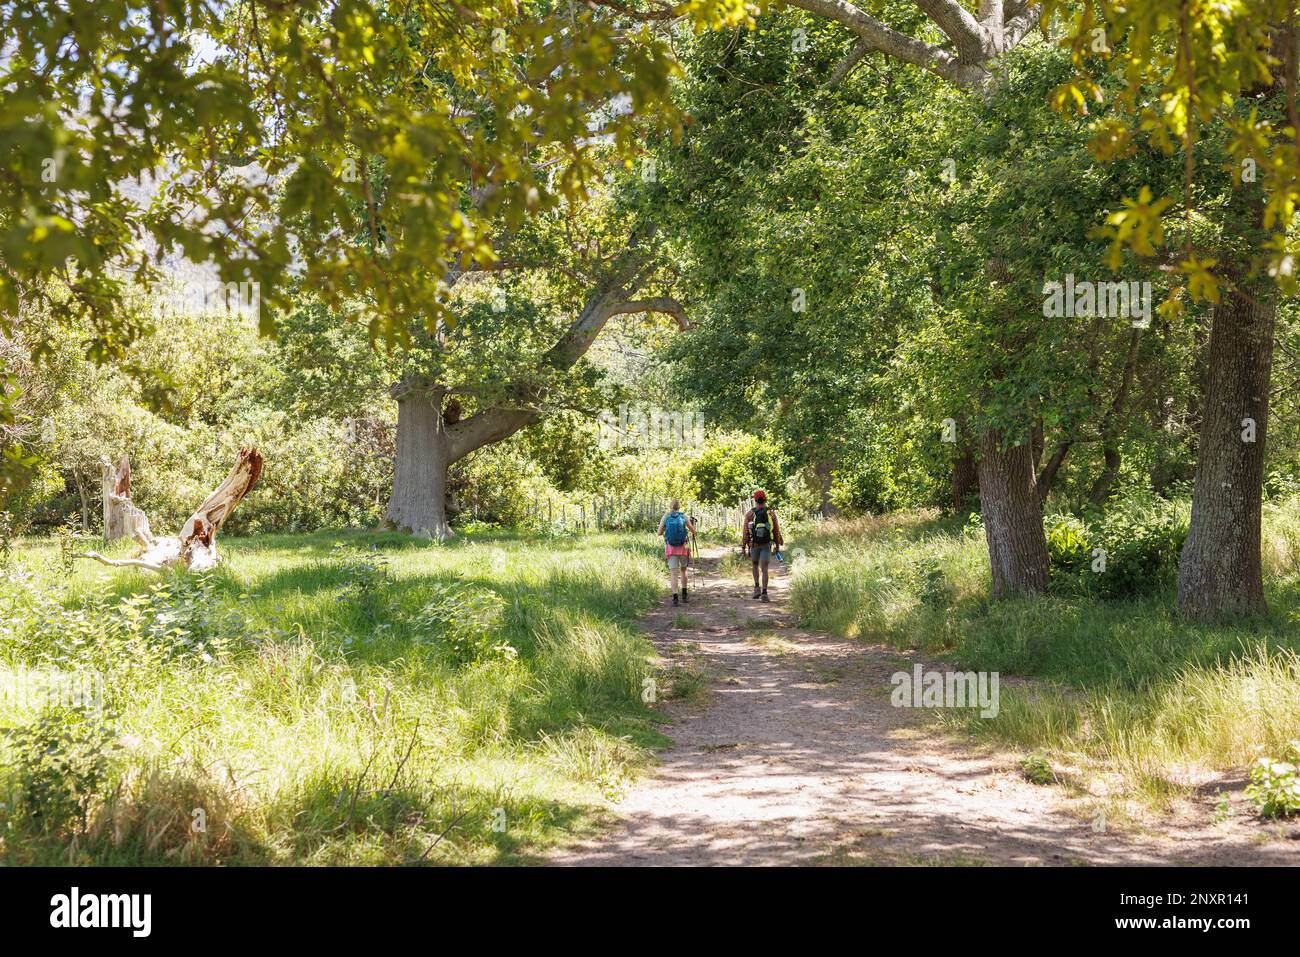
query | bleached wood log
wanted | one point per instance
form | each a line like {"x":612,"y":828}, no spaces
{"x":195,"y":547}
{"x":122,"y":518}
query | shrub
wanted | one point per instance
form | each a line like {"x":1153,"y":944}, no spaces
{"x":1069,"y":545}
{"x":731,"y":467}
{"x":61,"y":762}
{"x":1142,"y":543}
{"x":1036,"y":769}
{"x":1275,"y":785}
{"x":467,"y":621}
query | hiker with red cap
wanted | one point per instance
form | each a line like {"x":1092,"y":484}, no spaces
{"x":761,"y":532}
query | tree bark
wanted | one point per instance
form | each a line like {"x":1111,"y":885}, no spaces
{"x":1013,"y":519}
{"x":122,"y":519}
{"x":419,"y":501}
{"x":195,"y":548}
{"x":1220,"y":572}
{"x":965,"y":479}
{"x":824,"y":471}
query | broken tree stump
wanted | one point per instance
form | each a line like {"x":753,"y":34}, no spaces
{"x":122,"y":519}
{"x":195,"y":548}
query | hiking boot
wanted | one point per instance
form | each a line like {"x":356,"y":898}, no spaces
{"x":685,"y":597}
{"x":763,"y":597}
{"x":757,"y":592}
{"x":674,"y":599}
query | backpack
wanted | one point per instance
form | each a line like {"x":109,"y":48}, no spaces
{"x":675,"y":528}
{"x":760,"y":528}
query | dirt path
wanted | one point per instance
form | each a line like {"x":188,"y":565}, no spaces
{"x":795,"y":755}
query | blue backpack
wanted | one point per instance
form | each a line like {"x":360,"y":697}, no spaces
{"x":675,"y":528}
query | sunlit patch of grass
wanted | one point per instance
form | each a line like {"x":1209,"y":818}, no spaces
{"x":315,"y":712}
{"x":1126,"y":688}
{"x":774,"y":643}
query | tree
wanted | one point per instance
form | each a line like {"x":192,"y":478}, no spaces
{"x":255,"y":125}
{"x":195,"y":547}
{"x":1218,"y":79}
{"x":433,"y":431}
{"x":976,"y":39}
{"x":916,"y":227}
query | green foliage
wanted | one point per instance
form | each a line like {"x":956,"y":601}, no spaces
{"x":8,"y":532}
{"x":1069,"y":545}
{"x":365,"y":143}
{"x":1227,"y":89}
{"x":61,"y":762}
{"x":1275,"y":783}
{"x":1037,"y":769}
{"x":401,"y":691}
{"x":72,"y":540}
{"x":1143,"y":543}
{"x":729,"y":468}
{"x":467,"y":621}
{"x":501,"y":485}
{"x":1130,"y":550}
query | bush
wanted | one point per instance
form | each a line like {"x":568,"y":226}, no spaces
{"x":731,"y":467}
{"x":1069,"y":545}
{"x":61,"y":763}
{"x":1275,"y":785}
{"x":1142,"y":542}
{"x":467,"y":621}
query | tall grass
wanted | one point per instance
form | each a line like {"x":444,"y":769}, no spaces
{"x":1125,"y":686}
{"x":387,"y":701}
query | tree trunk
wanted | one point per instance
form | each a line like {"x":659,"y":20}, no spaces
{"x":419,"y":501}
{"x":1112,"y":425}
{"x":122,"y":519}
{"x":1013,"y":518}
{"x":85,"y":501}
{"x":1047,"y":477}
{"x":965,"y":479}
{"x":1220,"y":571}
{"x":195,"y":548}
{"x":824,"y":470}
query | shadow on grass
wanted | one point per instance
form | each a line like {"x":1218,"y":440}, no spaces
{"x":327,"y":821}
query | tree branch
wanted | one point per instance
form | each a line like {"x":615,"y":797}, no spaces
{"x":1020,"y":19}
{"x":959,"y":25}
{"x":122,"y":563}
{"x":654,"y":13}
{"x":860,"y":49}
{"x":664,"y":304}
{"x":886,"y":39}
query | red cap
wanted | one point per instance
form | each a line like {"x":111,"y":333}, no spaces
{"x":759,"y":495}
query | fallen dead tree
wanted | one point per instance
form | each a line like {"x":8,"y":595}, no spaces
{"x":195,"y":547}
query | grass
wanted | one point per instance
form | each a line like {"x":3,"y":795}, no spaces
{"x":1127,"y":689}
{"x":349,"y":698}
